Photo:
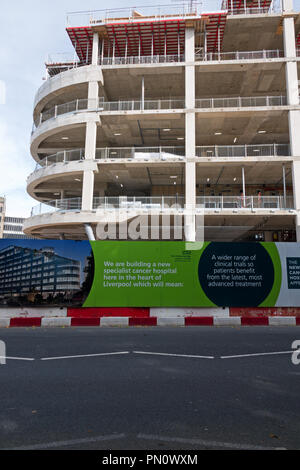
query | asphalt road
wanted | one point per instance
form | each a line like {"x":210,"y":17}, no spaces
{"x":144,"y":401}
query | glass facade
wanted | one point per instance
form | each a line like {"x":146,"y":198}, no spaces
{"x":23,"y":270}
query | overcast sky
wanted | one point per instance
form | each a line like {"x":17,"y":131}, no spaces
{"x":30,"y":30}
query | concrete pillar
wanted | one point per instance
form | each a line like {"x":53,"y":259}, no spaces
{"x":143,"y":93}
{"x":95,"y":54}
{"x":244,"y":182}
{"x":291,"y":65}
{"x":87,"y":190}
{"x":292,"y":88}
{"x":90,"y":140}
{"x":91,"y":126}
{"x":294,"y":126}
{"x":190,"y":135}
{"x":93,"y":95}
{"x":284,"y":185}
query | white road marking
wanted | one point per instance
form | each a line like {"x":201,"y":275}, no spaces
{"x":257,"y":354}
{"x":205,"y":443}
{"x":17,"y":358}
{"x":173,"y":355}
{"x":72,"y":442}
{"x":86,"y":355}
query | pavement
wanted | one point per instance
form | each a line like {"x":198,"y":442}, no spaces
{"x":150,"y":388}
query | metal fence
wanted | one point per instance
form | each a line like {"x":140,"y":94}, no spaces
{"x":165,"y":153}
{"x":124,"y":202}
{"x":131,"y":105}
{"x":133,"y":60}
{"x":263,"y":150}
{"x":71,"y":107}
{"x":139,"y":105}
{"x":62,"y":157}
{"x":239,"y":55}
{"x":168,"y":202}
{"x":246,"y":202}
{"x":95,"y":17}
{"x":63,"y":61}
{"x":57,"y":205}
{"x":241,"y":102}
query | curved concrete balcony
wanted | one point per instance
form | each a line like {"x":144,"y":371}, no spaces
{"x":74,"y":75}
{"x":166,"y":203}
{"x":61,"y":123}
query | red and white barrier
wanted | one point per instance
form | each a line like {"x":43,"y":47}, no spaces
{"x":147,"y":321}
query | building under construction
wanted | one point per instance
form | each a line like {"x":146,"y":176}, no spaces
{"x":166,"y":108}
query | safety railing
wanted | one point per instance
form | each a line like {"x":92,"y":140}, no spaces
{"x":168,"y":202}
{"x":123,"y":202}
{"x":248,"y":11}
{"x":56,"y":65}
{"x":131,"y":105}
{"x":163,"y":104}
{"x":260,"y":7}
{"x":139,"y":105}
{"x":136,"y":202}
{"x":167,"y":153}
{"x":61,"y":57}
{"x":239,"y":55}
{"x":246,"y":202}
{"x":133,"y":60}
{"x":241,"y":102}
{"x":140,"y":152}
{"x":131,"y":14}
{"x":57,"y":205}
{"x":71,"y":107}
{"x":65,"y":156}
{"x":261,"y":150}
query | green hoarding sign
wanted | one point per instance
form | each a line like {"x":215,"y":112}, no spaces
{"x":148,"y":274}
{"x":176,"y":274}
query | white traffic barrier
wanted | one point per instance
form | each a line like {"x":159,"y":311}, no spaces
{"x":189,"y":312}
{"x":4,"y":322}
{"x":227,"y":321}
{"x":35,"y":312}
{"x":282,"y":321}
{"x":56,"y":322}
{"x":114,"y":321}
{"x":170,"y":322}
